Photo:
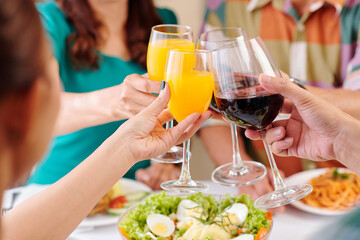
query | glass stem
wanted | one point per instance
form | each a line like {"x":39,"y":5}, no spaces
{"x":278,"y":181}
{"x":237,"y":161}
{"x":238,"y":168}
{"x":185,"y":176}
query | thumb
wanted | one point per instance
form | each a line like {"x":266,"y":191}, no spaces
{"x":286,"y":88}
{"x":159,"y":104}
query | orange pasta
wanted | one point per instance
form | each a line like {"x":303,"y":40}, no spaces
{"x":334,"y":191}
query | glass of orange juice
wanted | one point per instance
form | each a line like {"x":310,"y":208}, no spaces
{"x":191,"y":84}
{"x":163,"y":38}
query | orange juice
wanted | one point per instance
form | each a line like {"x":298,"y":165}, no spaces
{"x":157,"y":54}
{"x":191,"y":92}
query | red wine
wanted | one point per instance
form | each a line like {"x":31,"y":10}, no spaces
{"x":249,"y":107}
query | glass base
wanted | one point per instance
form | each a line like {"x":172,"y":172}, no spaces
{"x":283,"y":196}
{"x":251,"y":172}
{"x":174,"y":155}
{"x":184,"y":187}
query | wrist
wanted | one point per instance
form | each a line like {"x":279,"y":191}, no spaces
{"x":104,"y":102}
{"x":345,"y":143}
{"x":119,"y":149}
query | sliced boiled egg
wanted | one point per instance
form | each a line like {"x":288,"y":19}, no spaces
{"x":160,"y":225}
{"x":240,"y":210}
{"x":244,"y":237}
{"x":183,"y":207}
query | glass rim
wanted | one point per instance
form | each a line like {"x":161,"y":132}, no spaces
{"x":188,"y":29}
{"x":232,"y":44}
{"x":224,"y":28}
{"x":196,"y":51}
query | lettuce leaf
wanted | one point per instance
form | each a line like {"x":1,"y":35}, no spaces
{"x":135,"y":226}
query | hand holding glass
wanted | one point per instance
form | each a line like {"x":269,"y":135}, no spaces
{"x":163,"y":38}
{"x":191,"y":86}
{"x":243,"y":101}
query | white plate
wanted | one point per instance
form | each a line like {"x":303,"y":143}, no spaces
{"x":103,"y":219}
{"x":305,"y":177}
{"x":92,"y":221}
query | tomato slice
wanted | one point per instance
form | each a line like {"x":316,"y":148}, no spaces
{"x":118,"y":202}
{"x":269,"y":216}
{"x":262,"y":232}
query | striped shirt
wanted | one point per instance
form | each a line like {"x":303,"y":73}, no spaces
{"x":321,"y":47}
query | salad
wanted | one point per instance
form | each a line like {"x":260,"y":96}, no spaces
{"x":196,"y":216}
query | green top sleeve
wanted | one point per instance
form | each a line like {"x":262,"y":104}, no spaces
{"x":167,"y":16}
{"x":55,"y":26}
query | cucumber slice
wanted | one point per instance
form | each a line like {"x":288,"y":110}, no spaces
{"x":129,"y":204}
{"x":116,"y":211}
{"x":136,"y":196}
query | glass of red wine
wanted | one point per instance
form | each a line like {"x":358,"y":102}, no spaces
{"x":242,"y":100}
{"x":239,"y":172}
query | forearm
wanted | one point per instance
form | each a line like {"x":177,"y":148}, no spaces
{"x":346,"y":100}
{"x":55,"y":212}
{"x":346,"y":144}
{"x":81,"y":110}
{"x":218,"y":142}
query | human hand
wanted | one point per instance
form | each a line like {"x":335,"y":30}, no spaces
{"x":157,"y":173}
{"x":144,"y":135}
{"x":261,"y":188}
{"x":312,"y":127}
{"x":130,"y":97}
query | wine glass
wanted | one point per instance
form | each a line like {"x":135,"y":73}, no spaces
{"x":163,"y":38}
{"x":191,"y":85}
{"x":243,"y":101}
{"x":237,"y":173}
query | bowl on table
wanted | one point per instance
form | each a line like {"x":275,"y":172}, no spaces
{"x":264,"y":221}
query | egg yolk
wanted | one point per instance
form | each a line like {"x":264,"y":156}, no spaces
{"x":160,"y":228}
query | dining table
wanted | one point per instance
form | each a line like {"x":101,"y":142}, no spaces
{"x":292,"y":223}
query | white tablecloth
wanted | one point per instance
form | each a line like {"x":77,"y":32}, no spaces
{"x":292,"y":224}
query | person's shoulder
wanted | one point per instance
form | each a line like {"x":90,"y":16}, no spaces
{"x":56,"y":26}
{"x":50,"y":12}
{"x":167,"y":15}
{"x":49,"y":8}
{"x":351,"y":6}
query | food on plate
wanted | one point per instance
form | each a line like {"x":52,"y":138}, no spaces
{"x":334,"y":190}
{"x":115,"y":202}
{"x":100,"y":207}
{"x":196,"y":216}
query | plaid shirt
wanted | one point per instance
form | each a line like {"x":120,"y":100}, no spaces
{"x":321,"y":47}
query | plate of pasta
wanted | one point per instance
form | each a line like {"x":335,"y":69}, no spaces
{"x":336,"y":191}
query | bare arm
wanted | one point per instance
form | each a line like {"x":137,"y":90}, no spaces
{"x":346,"y":100}
{"x":81,"y":110}
{"x":55,"y":212}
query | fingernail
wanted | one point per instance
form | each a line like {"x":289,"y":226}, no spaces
{"x":277,"y":131}
{"x":289,"y":140}
{"x":162,"y":85}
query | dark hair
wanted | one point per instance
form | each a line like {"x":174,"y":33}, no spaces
{"x":21,"y":48}
{"x":82,"y":44}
